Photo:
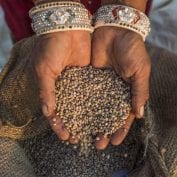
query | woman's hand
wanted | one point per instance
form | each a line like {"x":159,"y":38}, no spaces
{"x":53,"y":53}
{"x":124,"y":51}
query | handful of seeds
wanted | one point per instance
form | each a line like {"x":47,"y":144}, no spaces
{"x":92,"y":101}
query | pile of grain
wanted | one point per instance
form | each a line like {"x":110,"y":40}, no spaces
{"x":92,"y":101}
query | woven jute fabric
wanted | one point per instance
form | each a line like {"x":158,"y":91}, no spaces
{"x":21,"y":119}
{"x":13,"y":161}
{"x":20,"y":112}
{"x":161,"y":141}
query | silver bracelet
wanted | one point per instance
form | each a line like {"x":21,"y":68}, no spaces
{"x":50,"y":5}
{"x":124,"y":17}
{"x":60,"y":16}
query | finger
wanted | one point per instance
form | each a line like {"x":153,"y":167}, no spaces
{"x":140,"y":91}
{"x":46,"y":83}
{"x":118,"y":137}
{"x":59,"y":128}
{"x":101,"y":142}
{"x":73,"y":140}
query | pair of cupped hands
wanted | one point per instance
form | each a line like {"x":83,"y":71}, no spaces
{"x":108,"y":47}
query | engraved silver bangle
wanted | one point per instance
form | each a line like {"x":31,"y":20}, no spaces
{"x":60,"y":16}
{"x":124,"y":17}
{"x":50,"y":5}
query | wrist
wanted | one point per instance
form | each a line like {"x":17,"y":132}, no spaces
{"x":119,"y":33}
{"x":128,"y":34}
{"x":137,"y":4}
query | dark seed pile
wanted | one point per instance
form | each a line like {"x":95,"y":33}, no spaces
{"x":92,"y":101}
{"x":52,"y":158}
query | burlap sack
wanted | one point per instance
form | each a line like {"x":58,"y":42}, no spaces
{"x":13,"y":161}
{"x":20,"y":112}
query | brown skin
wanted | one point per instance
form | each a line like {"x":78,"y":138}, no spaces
{"x":54,"y":52}
{"x":125,"y":52}
{"x":120,"y":49}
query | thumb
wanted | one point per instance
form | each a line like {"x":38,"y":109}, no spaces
{"x":140,"y":91}
{"x":47,"y":95}
{"x":46,"y":83}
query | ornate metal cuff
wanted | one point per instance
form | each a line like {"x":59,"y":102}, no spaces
{"x":124,"y":17}
{"x":60,"y":16}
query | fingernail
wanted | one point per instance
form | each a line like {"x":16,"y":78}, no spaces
{"x":141,"y":111}
{"x":45,"y":110}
